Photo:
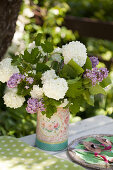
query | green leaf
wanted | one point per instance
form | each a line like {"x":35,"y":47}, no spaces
{"x":37,"y":78}
{"x":24,"y":67}
{"x":88,"y":97}
{"x":68,"y":72}
{"x":86,"y":81}
{"x":55,"y":66}
{"x":50,"y":110}
{"x":22,"y":91}
{"x":16,"y":60}
{"x":41,"y":67}
{"x":38,"y":39}
{"x":72,"y":81}
{"x":105,"y":82}
{"x":34,"y":53}
{"x":75,"y":89}
{"x":50,"y":105}
{"x":31,"y":58}
{"x":97,"y":89}
{"x":26,"y":56}
{"x":47,"y":46}
{"x":21,"y":69}
{"x":78,"y":70}
{"x":50,"y":101}
{"x":88,"y":64}
{"x":74,"y":107}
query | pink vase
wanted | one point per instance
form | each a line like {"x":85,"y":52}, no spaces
{"x":52,"y":134}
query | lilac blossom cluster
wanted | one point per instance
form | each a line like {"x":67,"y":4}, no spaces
{"x":16,"y":78}
{"x":34,"y":105}
{"x":96,"y":75}
{"x":29,"y":80}
{"x":94,"y":61}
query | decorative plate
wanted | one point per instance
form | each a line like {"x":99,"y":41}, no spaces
{"x":78,"y":152}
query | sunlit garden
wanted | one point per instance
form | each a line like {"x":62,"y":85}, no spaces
{"x":56,"y":84}
{"x":47,"y":17}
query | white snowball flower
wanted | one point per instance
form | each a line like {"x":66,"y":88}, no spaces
{"x":57,"y":50}
{"x":56,"y":57}
{"x":12,"y":100}
{"x":31,"y":46}
{"x":55,"y":88}
{"x":76,"y":51}
{"x":49,"y":74}
{"x":7,"y":70}
{"x":37,"y":92}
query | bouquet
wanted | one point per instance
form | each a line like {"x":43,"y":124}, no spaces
{"x":44,"y":78}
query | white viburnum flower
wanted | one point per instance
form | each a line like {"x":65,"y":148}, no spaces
{"x":31,"y":46}
{"x":49,"y":74}
{"x":56,"y":57}
{"x":55,"y":88}
{"x":12,"y":100}
{"x":76,"y":51}
{"x":37,"y":92}
{"x":7,"y":70}
{"x":57,"y":50}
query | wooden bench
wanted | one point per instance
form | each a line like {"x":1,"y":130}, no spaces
{"x":90,"y":27}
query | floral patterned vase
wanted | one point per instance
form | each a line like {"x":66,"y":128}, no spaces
{"x":52,"y":134}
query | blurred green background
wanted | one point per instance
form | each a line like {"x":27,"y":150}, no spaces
{"x":47,"y":16}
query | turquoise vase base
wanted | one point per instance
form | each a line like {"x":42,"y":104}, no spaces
{"x":51,"y":147}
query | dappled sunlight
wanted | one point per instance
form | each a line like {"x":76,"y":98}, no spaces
{"x":17,"y":155}
{"x":45,"y":164}
{"x":18,"y":163}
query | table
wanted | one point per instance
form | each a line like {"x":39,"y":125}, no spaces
{"x":94,"y":125}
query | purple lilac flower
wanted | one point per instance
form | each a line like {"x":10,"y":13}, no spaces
{"x":30,"y":80}
{"x":94,"y":61}
{"x":96,"y":74}
{"x":23,"y":76}
{"x":104,"y":72}
{"x":14,"y":80}
{"x":34,"y":105}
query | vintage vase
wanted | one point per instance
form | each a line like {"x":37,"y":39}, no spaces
{"x":52,"y":134}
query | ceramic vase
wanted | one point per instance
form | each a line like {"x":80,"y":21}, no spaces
{"x":52,"y":134}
